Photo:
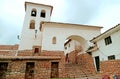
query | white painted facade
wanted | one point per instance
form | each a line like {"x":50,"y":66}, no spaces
{"x":28,"y":35}
{"x":63,"y":31}
{"x":71,"y":46}
{"x":104,"y":50}
{"x":46,"y":30}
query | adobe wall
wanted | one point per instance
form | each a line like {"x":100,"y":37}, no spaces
{"x":86,"y":62}
{"x":61,"y":62}
{"x":110,"y":67}
{"x":16,"y":69}
{"x":7,"y":53}
{"x":25,"y":53}
{"x":9,"y":47}
{"x":42,"y":69}
{"x":80,"y":65}
{"x":73,"y":57}
{"x":8,"y":50}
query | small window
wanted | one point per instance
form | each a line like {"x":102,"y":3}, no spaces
{"x":33,"y":12}
{"x":65,"y":47}
{"x":108,"y":40}
{"x":43,"y":14}
{"x":32,"y":24}
{"x":69,"y":45}
{"x":54,"y":40}
{"x":112,"y":57}
{"x":36,"y":50}
{"x":40,"y":27}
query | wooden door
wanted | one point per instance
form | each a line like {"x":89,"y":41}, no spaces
{"x":97,"y":62}
{"x":29,"y":73}
{"x":54,"y":70}
{"x":3,"y":70}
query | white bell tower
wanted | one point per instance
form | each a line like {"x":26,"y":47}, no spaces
{"x":31,"y":35}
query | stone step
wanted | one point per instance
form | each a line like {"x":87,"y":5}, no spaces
{"x":90,"y":77}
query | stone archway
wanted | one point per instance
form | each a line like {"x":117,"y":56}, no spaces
{"x":74,"y":45}
{"x":79,"y":39}
{"x":62,"y":32}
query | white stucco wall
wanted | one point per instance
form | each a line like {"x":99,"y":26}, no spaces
{"x":28,"y":35}
{"x":71,"y":46}
{"x":63,"y":31}
{"x":111,"y":49}
{"x":50,"y":30}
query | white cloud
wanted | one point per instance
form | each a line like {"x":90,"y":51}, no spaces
{"x":108,"y":17}
{"x":102,"y":13}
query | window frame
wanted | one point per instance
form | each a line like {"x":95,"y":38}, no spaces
{"x":108,"y":40}
{"x":111,"y":57}
{"x":65,"y":48}
{"x":43,"y":14}
{"x":35,"y":14}
{"x":54,"y":40}
{"x":32,"y":24}
{"x":36,"y":50}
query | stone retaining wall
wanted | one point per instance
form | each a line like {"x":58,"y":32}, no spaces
{"x":42,"y":67}
{"x":84,"y":66}
{"x":110,"y":67}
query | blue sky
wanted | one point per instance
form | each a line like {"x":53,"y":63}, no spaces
{"x":105,"y":13}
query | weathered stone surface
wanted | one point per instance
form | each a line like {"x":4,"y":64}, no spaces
{"x":110,"y":67}
{"x":81,"y":66}
{"x":42,"y":69}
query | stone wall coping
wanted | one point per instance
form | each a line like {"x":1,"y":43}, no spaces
{"x":30,"y":57}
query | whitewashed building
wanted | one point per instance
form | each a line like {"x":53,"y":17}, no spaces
{"x":107,"y":48}
{"x":72,"y":45}
{"x":43,"y":47}
{"x":31,"y":33}
{"x":39,"y":32}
